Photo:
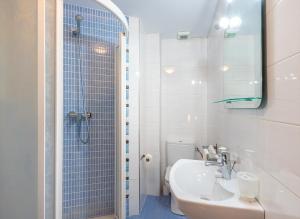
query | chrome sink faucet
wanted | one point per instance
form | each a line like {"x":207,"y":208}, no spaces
{"x":224,"y":163}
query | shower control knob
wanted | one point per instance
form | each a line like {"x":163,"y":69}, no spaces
{"x":88,"y":115}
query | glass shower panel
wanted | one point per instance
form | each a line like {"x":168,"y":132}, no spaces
{"x":90,"y":40}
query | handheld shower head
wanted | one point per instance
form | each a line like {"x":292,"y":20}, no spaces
{"x":78,"y":19}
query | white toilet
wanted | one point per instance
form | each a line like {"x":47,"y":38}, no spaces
{"x":176,"y":151}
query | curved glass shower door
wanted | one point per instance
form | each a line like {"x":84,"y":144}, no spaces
{"x":91,"y":36}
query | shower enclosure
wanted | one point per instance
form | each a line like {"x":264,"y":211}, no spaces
{"x":89,"y":115}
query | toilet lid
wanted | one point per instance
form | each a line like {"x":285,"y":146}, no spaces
{"x":167,"y":176}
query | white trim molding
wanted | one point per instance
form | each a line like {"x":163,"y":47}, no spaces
{"x":59,"y":111}
{"x":108,"y":4}
{"x":41,"y":108}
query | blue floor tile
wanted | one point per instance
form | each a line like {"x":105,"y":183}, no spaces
{"x":157,"y":208}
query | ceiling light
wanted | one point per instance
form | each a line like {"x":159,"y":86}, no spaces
{"x":232,"y":23}
{"x":99,"y":49}
{"x":224,"y":22}
{"x":235,"y":22}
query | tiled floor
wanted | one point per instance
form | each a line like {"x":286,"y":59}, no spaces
{"x":157,"y":208}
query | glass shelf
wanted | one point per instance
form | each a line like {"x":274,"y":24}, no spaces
{"x":240,"y":99}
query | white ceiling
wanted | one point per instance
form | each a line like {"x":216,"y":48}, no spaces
{"x":170,"y":16}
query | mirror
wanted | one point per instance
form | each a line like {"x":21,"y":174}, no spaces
{"x":242,"y":68}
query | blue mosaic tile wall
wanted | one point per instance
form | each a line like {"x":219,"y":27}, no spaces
{"x":89,"y":169}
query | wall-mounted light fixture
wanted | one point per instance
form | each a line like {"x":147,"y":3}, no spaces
{"x":230,"y":23}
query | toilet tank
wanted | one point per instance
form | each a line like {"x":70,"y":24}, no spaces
{"x":179,"y":150}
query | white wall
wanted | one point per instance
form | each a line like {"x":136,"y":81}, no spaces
{"x":267,"y":139}
{"x":18,"y":110}
{"x":183,"y":93}
{"x":150,"y":112}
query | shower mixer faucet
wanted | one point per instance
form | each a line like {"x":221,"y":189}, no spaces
{"x":80,"y":119}
{"x":79,"y":116}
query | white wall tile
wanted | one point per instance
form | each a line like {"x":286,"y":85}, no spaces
{"x":183,"y":93}
{"x":270,"y":4}
{"x":281,"y":153}
{"x":150,"y":113}
{"x":283,"y":92}
{"x":268,"y":139}
{"x":283,"y":31}
{"x":279,"y":202}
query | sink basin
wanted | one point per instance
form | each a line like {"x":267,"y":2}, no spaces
{"x":200,"y":195}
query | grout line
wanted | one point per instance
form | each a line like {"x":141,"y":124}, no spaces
{"x":272,"y":7}
{"x":284,"y":123}
{"x":283,"y":59}
{"x":258,"y":117}
{"x":276,"y":4}
{"x":283,"y":185}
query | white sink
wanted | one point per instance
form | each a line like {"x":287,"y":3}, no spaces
{"x":200,"y":195}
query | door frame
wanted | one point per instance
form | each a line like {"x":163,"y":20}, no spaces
{"x":120,"y":114}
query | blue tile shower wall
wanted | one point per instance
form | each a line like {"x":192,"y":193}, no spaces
{"x":89,"y":169}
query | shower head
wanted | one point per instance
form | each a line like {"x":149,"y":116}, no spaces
{"x":78,"y":19}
